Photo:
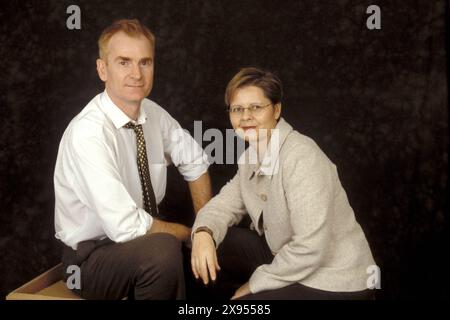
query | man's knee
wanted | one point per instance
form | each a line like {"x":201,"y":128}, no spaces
{"x":163,"y":256}
{"x":160,"y":275}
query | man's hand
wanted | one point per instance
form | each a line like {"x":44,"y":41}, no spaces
{"x":178,"y":230}
{"x":242,"y":291}
{"x":203,"y":257}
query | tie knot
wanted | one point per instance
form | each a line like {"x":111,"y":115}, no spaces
{"x":135,"y":127}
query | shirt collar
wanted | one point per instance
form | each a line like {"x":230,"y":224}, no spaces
{"x":270,"y":163}
{"x":117,"y":116}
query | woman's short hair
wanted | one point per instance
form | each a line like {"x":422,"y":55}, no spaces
{"x":131,"y":27}
{"x":268,"y":82}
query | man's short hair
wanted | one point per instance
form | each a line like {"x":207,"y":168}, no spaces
{"x":268,"y":82}
{"x":131,"y":27}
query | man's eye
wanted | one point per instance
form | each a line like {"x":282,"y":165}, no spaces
{"x":255,"y":108}
{"x":146,"y":63}
{"x":123,"y":63}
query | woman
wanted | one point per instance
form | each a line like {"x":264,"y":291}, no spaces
{"x":304,"y":241}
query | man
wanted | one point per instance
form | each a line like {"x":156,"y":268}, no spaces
{"x":110,"y":175}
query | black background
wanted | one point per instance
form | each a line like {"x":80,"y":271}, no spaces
{"x":376,"y":101}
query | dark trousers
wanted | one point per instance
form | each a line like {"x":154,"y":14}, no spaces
{"x":148,"y":267}
{"x":243,"y":250}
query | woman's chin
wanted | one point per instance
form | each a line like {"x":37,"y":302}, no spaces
{"x":250,"y":135}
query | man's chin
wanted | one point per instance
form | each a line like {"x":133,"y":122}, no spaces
{"x":137,"y":92}
{"x":136,"y":98}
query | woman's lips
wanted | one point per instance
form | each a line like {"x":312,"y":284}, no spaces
{"x":248,"y":128}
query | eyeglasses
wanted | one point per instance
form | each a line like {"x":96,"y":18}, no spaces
{"x":254,"y":109}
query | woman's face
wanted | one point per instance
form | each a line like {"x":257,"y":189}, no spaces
{"x":254,"y":114}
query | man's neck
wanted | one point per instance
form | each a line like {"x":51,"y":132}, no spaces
{"x":130,"y":109}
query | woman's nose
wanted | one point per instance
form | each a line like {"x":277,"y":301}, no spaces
{"x":246,"y":114}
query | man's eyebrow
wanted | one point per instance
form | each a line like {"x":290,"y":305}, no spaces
{"x":122,"y":58}
{"x":146,"y":59}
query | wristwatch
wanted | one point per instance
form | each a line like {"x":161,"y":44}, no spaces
{"x":205,"y":229}
{"x":208,"y":230}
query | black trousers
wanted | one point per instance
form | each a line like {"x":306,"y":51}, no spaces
{"x":243,"y":250}
{"x":148,"y":267}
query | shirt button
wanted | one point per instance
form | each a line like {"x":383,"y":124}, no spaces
{"x":263,"y":197}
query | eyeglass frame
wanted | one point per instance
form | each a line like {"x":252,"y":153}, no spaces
{"x":229,"y":109}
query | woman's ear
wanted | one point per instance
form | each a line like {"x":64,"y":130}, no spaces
{"x":278,"y":111}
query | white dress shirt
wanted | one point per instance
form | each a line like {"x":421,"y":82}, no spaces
{"x":98,"y":192}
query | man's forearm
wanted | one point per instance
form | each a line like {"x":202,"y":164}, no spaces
{"x":200,"y":191}
{"x":176,"y":229}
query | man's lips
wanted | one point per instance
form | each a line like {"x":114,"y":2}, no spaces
{"x":131,"y":86}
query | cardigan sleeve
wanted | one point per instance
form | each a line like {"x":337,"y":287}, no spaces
{"x":308,"y":180}
{"x":223,"y":211}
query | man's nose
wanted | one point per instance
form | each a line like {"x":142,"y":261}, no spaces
{"x":136,"y":72}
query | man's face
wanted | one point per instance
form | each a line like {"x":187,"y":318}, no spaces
{"x":128,"y":69}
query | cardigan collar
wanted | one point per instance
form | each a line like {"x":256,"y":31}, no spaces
{"x":270,"y":163}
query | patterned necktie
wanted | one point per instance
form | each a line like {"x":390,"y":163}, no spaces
{"x":144,"y":173}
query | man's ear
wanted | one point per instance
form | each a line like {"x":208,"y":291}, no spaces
{"x":278,"y":111}
{"x":101,"y":69}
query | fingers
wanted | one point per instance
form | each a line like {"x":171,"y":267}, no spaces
{"x":236,"y":294}
{"x":155,"y":226}
{"x":212,"y":268}
{"x":200,"y":269}
{"x":194,"y":266}
{"x":216,"y":262}
{"x":203,"y":270}
{"x":204,"y":258}
{"x":199,"y":265}
{"x":187,"y":234}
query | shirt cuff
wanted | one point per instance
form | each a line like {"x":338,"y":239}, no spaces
{"x":193,"y":172}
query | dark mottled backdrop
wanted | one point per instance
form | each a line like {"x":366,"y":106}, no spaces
{"x":375,"y":101}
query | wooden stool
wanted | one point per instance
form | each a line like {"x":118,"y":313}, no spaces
{"x":47,"y":286}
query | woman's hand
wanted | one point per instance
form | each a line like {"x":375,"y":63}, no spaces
{"x":204,"y":258}
{"x":242,"y":291}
